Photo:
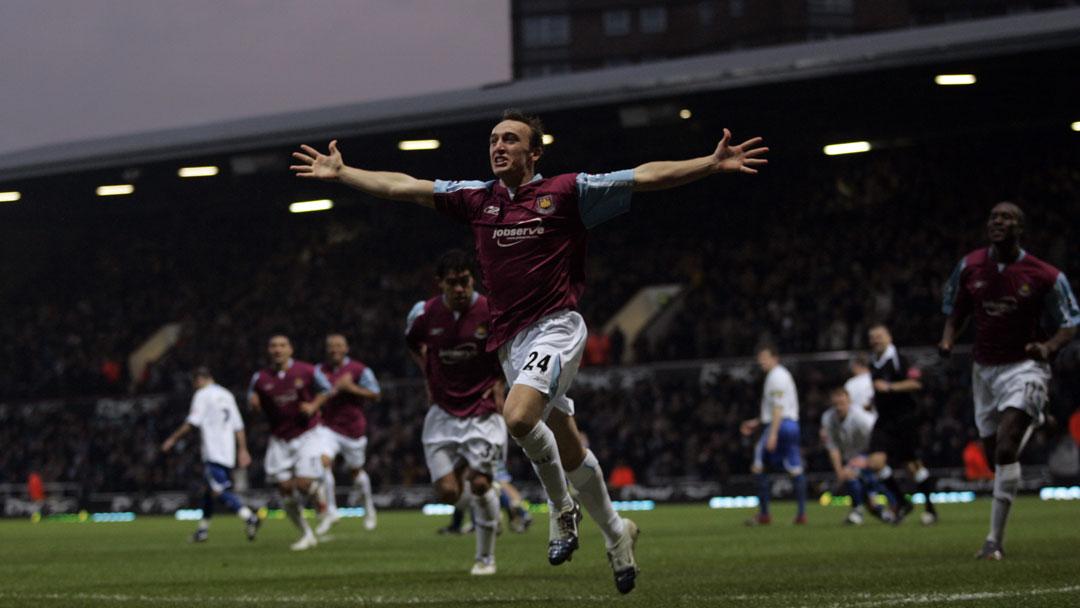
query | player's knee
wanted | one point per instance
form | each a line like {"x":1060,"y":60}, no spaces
{"x":447,"y":490}
{"x":480,"y":484}
{"x":519,"y":424}
{"x":304,"y":485}
{"x":1006,"y":452}
{"x":571,"y":455}
{"x":523,"y":410}
{"x":757,"y":469}
{"x":286,"y":487}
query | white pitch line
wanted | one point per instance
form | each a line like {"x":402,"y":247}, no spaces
{"x":905,"y":599}
{"x":930,"y":598}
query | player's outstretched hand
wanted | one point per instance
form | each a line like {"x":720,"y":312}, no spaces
{"x":746,"y":157}
{"x":1038,"y":351}
{"x":316,"y":165}
{"x":168,"y":445}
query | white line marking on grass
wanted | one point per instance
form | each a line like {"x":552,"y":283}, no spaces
{"x":903,"y":599}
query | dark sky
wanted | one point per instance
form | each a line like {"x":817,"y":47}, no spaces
{"x":78,"y":69}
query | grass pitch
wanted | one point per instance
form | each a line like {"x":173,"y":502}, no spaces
{"x":689,"y":556}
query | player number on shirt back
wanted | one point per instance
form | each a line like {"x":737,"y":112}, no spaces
{"x":542,"y":363}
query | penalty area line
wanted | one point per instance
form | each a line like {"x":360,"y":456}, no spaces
{"x":914,"y":599}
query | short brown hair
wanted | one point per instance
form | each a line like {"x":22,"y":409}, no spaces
{"x":536,"y":140}
{"x":454,"y":260}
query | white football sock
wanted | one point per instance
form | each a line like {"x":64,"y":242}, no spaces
{"x":540,"y":448}
{"x":485,"y":520}
{"x":1006,"y":483}
{"x":363,"y":481}
{"x":592,"y":492}
{"x":292,"y":508}
{"x":330,"y":484}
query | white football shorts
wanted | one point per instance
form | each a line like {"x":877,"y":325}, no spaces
{"x":352,"y":449}
{"x":1022,"y":385}
{"x":300,"y":456}
{"x":479,"y":441}
{"x":546,"y":356}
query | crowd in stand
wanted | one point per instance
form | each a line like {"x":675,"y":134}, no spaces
{"x":807,"y":261}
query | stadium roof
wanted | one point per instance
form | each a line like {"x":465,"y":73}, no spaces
{"x":966,"y":40}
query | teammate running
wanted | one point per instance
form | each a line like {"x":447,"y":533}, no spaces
{"x":1008,"y":291}
{"x":464,"y":435}
{"x":294,"y":453}
{"x":343,"y":426}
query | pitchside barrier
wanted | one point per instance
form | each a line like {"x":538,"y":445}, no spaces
{"x":406,"y":397}
{"x":64,"y":498}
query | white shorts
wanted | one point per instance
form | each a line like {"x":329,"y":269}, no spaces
{"x":1022,"y":385}
{"x":479,"y":441}
{"x":301,"y":456}
{"x":546,"y":356}
{"x":353,"y":450}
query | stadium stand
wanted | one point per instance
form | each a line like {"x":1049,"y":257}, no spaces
{"x":748,"y":267}
{"x":806,"y":257}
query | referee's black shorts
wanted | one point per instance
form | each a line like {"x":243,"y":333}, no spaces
{"x":898,"y":438}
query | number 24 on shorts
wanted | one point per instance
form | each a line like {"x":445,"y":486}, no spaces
{"x":542,"y":363}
